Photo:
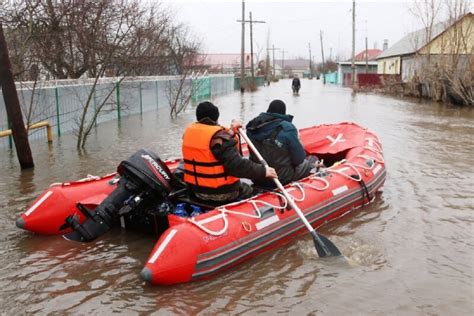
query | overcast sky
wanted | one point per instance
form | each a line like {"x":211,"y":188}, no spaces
{"x":294,"y":24}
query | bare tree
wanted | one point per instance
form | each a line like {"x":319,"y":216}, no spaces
{"x":131,"y":38}
{"x":184,"y":59}
{"x":79,"y":38}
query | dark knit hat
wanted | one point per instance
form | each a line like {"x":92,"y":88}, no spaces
{"x":207,"y":109}
{"x":277,"y":106}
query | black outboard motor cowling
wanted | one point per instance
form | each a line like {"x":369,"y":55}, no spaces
{"x":143,"y":175}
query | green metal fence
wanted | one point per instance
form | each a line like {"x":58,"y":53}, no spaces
{"x":61,"y":102}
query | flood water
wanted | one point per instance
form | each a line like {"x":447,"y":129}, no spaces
{"x":410,"y":252}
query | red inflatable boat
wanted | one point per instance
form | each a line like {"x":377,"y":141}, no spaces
{"x":191,"y":248}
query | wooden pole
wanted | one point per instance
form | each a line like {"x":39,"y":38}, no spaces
{"x":252,"y":70}
{"x":366,"y":56}
{"x":283,"y":62}
{"x":353,"y":45}
{"x":310,"y":64}
{"x":242,"y":51}
{"x":251,"y":51}
{"x":273,"y":70}
{"x":12,"y":104}
{"x":322,"y":54}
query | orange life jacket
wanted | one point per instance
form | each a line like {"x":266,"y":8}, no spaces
{"x":201,"y":168}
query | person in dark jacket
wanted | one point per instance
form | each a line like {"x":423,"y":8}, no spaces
{"x":213,"y":165}
{"x":276,"y":138}
{"x":296,"y":85}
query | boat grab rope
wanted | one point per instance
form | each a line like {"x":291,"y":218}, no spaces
{"x":211,"y":232}
{"x":358,"y":177}
{"x":89,"y":177}
{"x":301,"y":187}
{"x":223,"y":211}
{"x":326,"y":183}
{"x":379,"y":157}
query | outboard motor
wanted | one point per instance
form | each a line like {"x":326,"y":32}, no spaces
{"x":143,"y":177}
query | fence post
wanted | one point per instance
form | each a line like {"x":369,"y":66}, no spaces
{"x":117,"y":89}
{"x":193,"y":90}
{"x":156,"y":92}
{"x":141,"y":100}
{"x":58,"y":122}
{"x":209,"y":79}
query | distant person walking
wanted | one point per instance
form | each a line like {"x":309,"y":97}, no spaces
{"x":296,"y":85}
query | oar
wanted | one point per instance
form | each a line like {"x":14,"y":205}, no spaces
{"x":323,"y":246}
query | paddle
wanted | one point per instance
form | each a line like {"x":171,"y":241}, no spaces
{"x":323,"y":246}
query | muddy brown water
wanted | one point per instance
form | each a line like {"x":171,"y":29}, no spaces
{"x":410,"y":252}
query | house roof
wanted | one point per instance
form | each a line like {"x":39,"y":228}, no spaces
{"x":413,"y":41}
{"x":349,"y":63}
{"x":371,"y":54}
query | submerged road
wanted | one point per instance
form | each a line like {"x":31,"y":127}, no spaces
{"x":410,"y":252}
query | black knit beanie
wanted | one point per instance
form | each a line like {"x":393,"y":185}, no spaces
{"x":207,"y":109}
{"x":277,"y":106}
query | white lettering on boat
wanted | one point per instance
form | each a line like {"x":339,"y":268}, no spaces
{"x":267,"y":222}
{"x":162,"y":246}
{"x":336,"y":140}
{"x":377,"y":169}
{"x":339,"y":190}
{"x":31,"y":209}
{"x":156,"y":166}
{"x":209,"y":238}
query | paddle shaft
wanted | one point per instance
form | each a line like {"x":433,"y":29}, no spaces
{"x":317,"y":240}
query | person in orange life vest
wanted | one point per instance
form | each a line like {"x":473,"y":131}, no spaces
{"x":212,"y":160}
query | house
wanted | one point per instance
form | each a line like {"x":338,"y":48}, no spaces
{"x":285,"y":68}
{"x":224,"y":63}
{"x":344,"y":68}
{"x":428,"y":46}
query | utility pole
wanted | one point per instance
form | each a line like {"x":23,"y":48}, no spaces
{"x":310,"y":65}
{"x":366,"y":50}
{"x":322,"y":55}
{"x":12,"y":105}
{"x":366,"y":57}
{"x":353,"y":45}
{"x":251,"y":44}
{"x":273,"y":70}
{"x":283,"y":61}
{"x":242,"y":50}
